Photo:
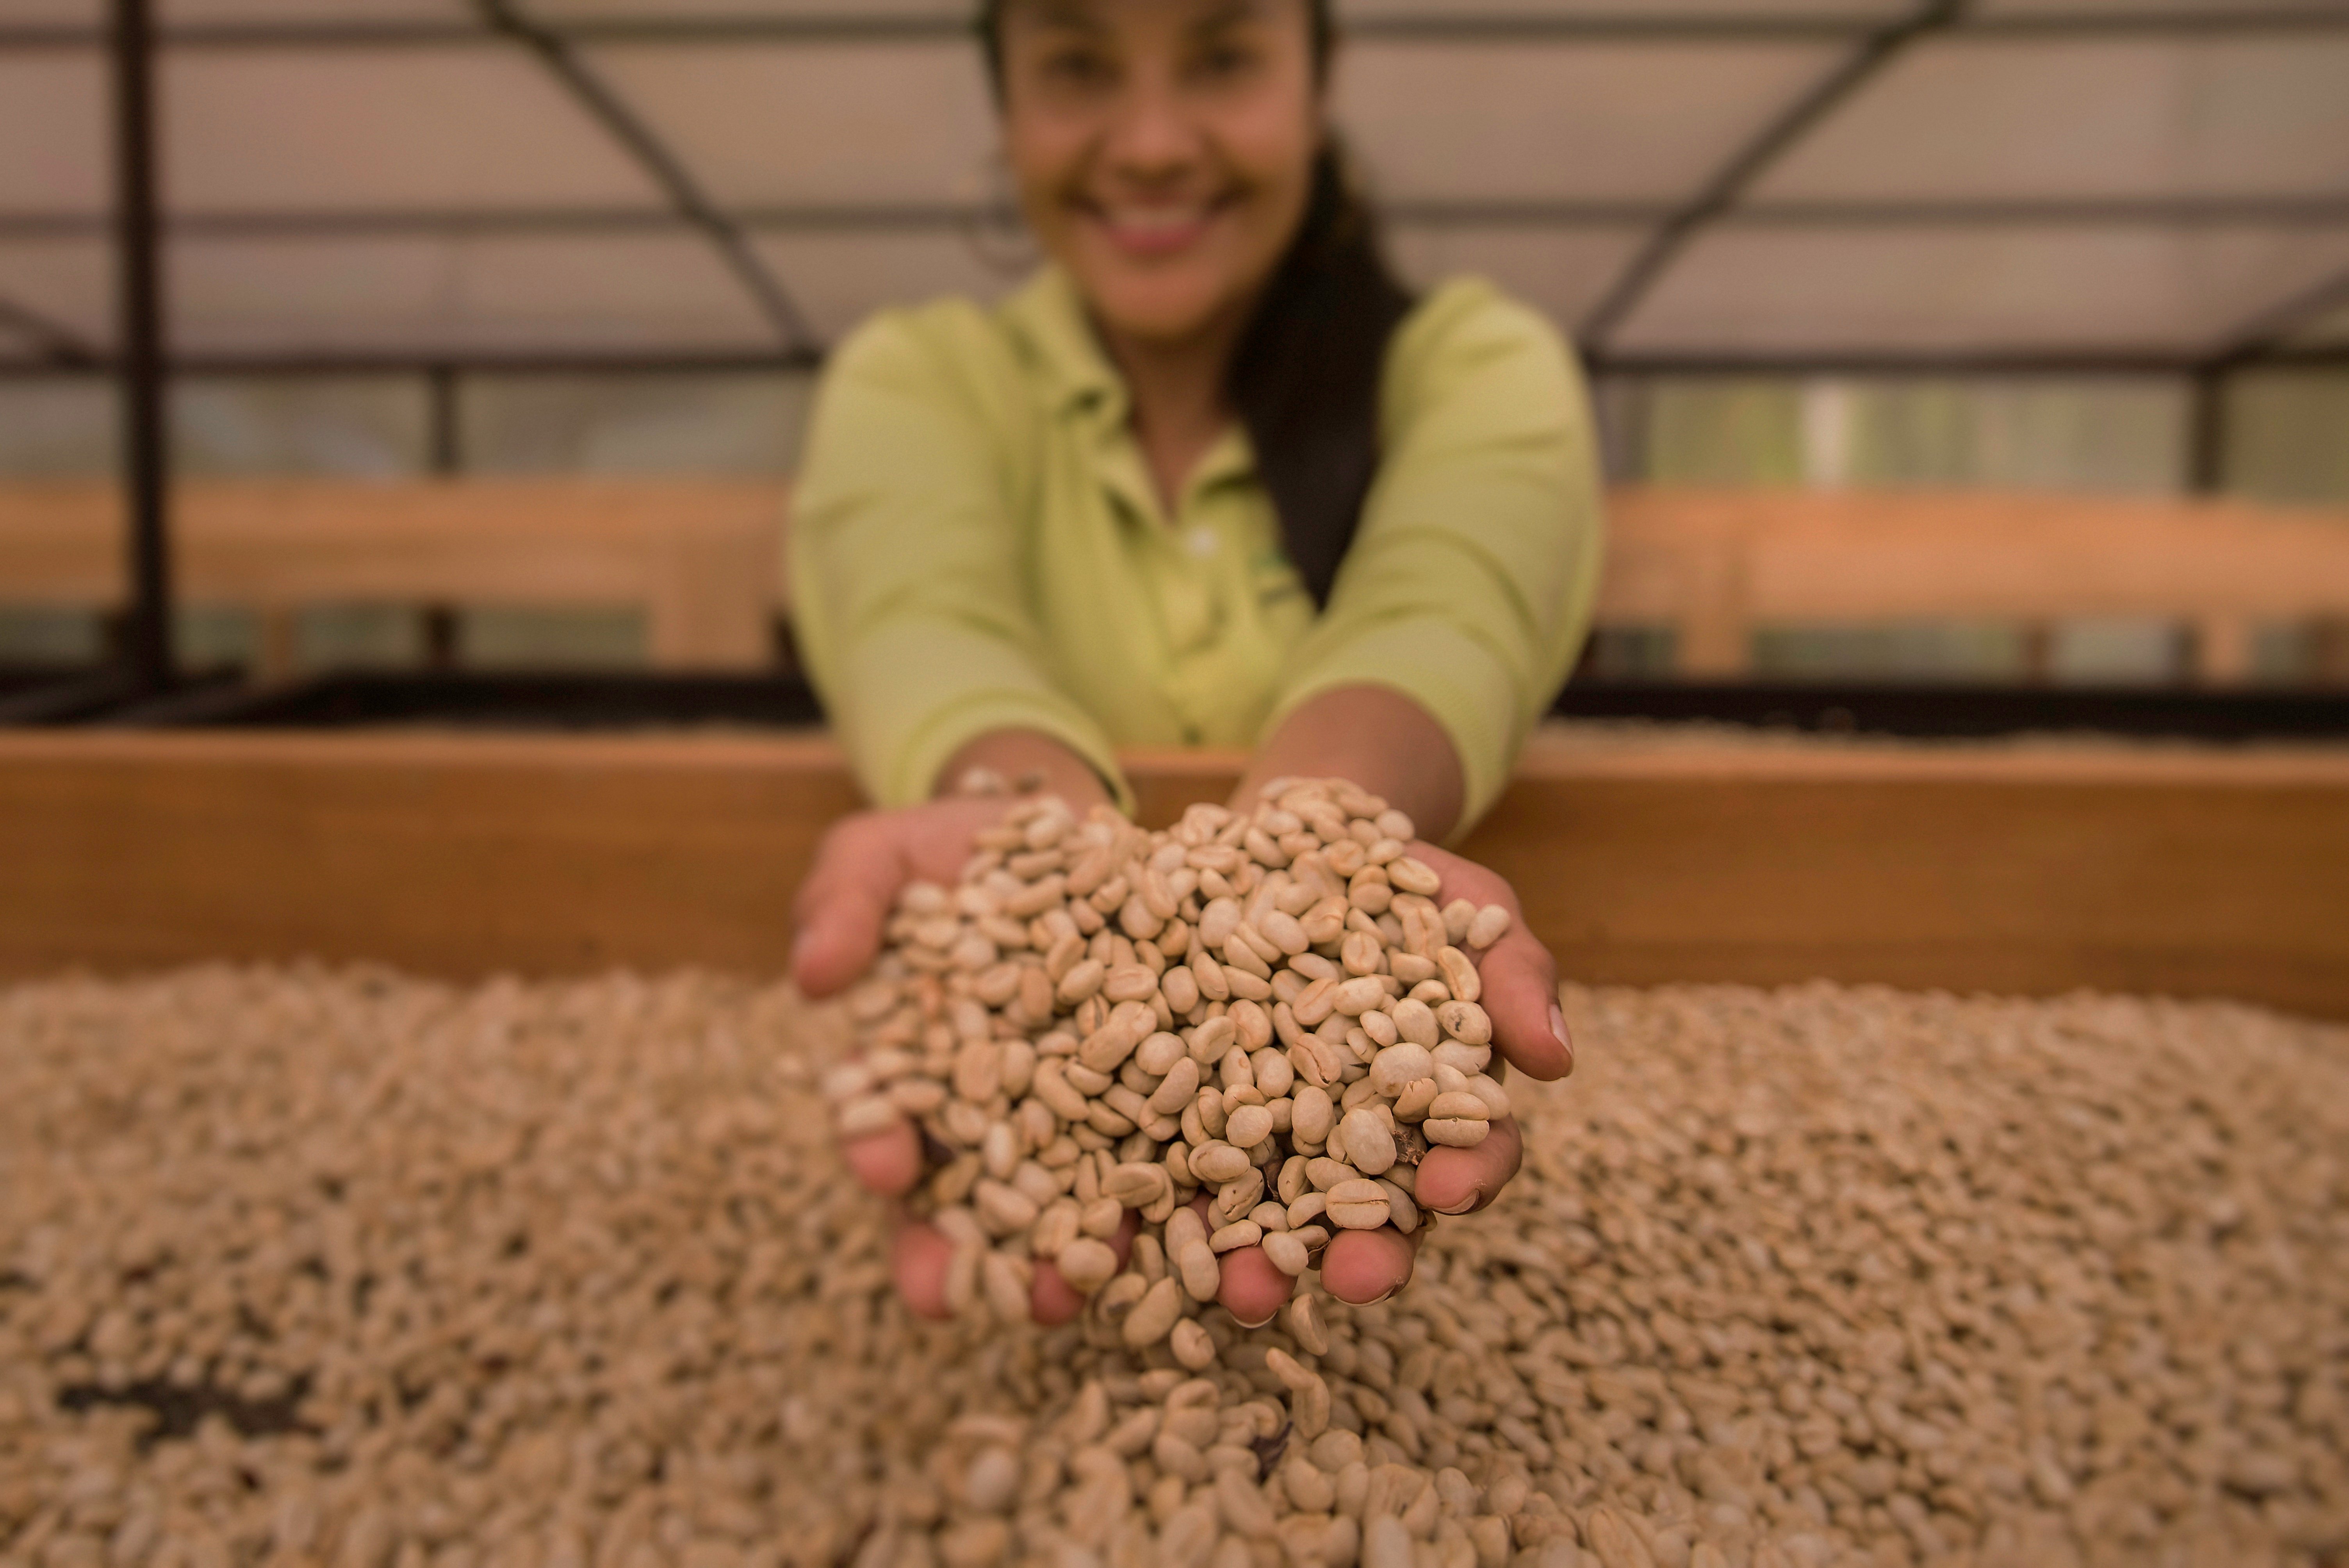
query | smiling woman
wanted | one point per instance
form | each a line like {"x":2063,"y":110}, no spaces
{"x":1256,"y":258}
{"x":1213,"y":479}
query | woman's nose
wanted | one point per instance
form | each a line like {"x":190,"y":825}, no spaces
{"x":1153,"y":134}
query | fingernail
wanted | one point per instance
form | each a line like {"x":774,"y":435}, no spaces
{"x":1259,"y":1322}
{"x":1558,"y":1028}
{"x":1475,"y":1195}
{"x":1382,"y":1299}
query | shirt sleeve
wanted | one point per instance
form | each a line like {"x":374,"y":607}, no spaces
{"x":913,"y":620}
{"x":1469,"y":582}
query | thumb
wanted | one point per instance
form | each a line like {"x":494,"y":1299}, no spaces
{"x":1520,"y":986}
{"x":842,"y":908}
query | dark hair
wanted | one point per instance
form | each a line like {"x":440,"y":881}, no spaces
{"x":1306,"y":377}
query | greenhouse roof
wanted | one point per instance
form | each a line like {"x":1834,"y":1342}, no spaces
{"x":1678,"y":182}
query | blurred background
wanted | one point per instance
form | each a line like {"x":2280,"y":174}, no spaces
{"x":1965,"y":276}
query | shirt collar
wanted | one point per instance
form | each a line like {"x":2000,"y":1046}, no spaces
{"x":1080,"y":378}
{"x":1078,"y":373}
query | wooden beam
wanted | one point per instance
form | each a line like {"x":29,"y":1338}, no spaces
{"x":1861,"y":554}
{"x":702,"y":559}
{"x":2023,"y":869}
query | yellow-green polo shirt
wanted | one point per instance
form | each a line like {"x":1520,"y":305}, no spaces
{"x":977,"y":545}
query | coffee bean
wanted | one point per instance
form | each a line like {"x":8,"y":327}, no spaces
{"x":1370,"y":1146}
{"x":1358,"y":1205}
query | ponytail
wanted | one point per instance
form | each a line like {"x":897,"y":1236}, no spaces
{"x":1306,"y":379}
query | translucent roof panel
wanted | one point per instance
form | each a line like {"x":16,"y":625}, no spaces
{"x":760,"y":123}
{"x":1969,"y":290}
{"x":211,"y":12}
{"x":1372,"y":11}
{"x":68,"y":282}
{"x":837,"y":280}
{"x":1593,"y":121}
{"x":53,"y":13}
{"x":652,"y":293}
{"x":1561,"y":272}
{"x":2022,"y":117}
{"x":414,"y":127}
{"x":2219,"y":9}
{"x":53,"y":124}
{"x":631,"y":10}
{"x":200,"y":13}
{"x":1860,"y":10}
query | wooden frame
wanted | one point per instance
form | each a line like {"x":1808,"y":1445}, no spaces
{"x":704,"y":560}
{"x":701,"y":559}
{"x":1717,"y":565}
{"x":2023,"y":869}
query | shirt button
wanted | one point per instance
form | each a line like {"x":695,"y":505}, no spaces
{"x":1203,"y":541}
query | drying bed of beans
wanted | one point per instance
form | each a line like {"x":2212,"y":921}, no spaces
{"x":301,"y":1266}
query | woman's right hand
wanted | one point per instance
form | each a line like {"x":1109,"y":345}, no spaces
{"x":863,"y":864}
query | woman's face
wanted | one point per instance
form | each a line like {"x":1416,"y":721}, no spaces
{"x":1163,"y":149}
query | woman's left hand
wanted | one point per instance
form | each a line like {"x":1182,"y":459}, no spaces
{"x":1520,"y":996}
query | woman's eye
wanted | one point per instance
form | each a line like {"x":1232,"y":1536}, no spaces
{"x":1078,"y":68}
{"x":1223,"y":61}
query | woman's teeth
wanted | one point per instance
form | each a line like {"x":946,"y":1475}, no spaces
{"x":1156,"y":219}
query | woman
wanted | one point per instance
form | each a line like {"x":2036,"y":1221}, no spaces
{"x":1211,"y":479}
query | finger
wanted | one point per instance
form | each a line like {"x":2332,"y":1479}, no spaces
{"x":1367,"y":1266}
{"x":918,"y":1259}
{"x":1252,"y":1290}
{"x":1461,"y":1180}
{"x":844,"y":904}
{"x":1053,"y":1301}
{"x":887,"y":1163}
{"x":1520,"y":996}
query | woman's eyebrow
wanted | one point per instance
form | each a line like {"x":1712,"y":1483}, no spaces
{"x":1231,"y":14}
{"x":1070,"y":15}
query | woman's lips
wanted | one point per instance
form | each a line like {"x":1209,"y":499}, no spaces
{"x":1145,"y":232}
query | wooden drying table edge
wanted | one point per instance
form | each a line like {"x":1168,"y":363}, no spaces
{"x":2026,"y":869}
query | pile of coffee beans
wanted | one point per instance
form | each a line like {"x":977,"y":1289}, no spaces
{"x":1268,"y":1011}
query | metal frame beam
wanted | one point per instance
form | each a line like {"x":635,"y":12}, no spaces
{"x":928,"y":217}
{"x":1795,"y":25}
{"x":429,"y":362}
{"x":1860,"y":364}
{"x":146,"y":443}
{"x":1857,"y":364}
{"x":2206,"y":433}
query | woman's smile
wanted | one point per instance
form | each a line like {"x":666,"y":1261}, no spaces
{"x":1155,"y":231}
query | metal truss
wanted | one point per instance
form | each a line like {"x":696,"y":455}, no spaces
{"x":1461,"y":26}
{"x":938,"y":217}
{"x":606,"y":107}
{"x":56,"y":350}
{"x":1757,"y":158}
